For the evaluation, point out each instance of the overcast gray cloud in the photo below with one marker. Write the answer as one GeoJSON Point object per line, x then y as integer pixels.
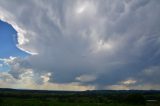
{"type": "Point", "coordinates": [100, 43]}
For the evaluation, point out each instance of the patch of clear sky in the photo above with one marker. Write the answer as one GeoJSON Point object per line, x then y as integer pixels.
{"type": "Point", "coordinates": [8, 42]}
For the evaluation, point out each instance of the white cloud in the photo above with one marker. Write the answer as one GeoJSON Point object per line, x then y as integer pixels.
{"type": "Point", "coordinates": [85, 7]}
{"type": "Point", "coordinates": [86, 78]}
{"type": "Point", "coordinates": [117, 87]}
{"type": "Point", "coordinates": [8, 60]}
{"type": "Point", "coordinates": [136, 87]}
{"type": "Point", "coordinates": [129, 81]}
{"type": "Point", "coordinates": [46, 77]}
{"type": "Point", "coordinates": [27, 81]}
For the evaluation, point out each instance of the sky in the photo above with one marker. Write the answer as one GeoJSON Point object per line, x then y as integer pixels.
{"type": "Point", "coordinates": [80, 44]}
{"type": "Point", "coordinates": [8, 42]}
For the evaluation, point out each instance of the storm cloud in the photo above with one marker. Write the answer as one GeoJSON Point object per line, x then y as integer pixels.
{"type": "Point", "coordinates": [107, 44]}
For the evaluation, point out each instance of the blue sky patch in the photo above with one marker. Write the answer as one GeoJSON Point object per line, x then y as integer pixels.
{"type": "Point", "coordinates": [8, 41]}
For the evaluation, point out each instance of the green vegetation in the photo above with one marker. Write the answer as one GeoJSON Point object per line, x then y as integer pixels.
{"type": "Point", "coordinates": [87, 98]}
{"type": "Point", "coordinates": [37, 102]}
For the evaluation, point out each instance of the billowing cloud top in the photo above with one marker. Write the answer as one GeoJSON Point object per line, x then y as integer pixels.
{"type": "Point", "coordinates": [85, 44]}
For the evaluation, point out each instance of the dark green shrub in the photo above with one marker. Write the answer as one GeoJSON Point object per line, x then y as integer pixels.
{"type": "Point", "coordinates": [1, 101]}
{"type": "Point", "coordinates": [136, 99]}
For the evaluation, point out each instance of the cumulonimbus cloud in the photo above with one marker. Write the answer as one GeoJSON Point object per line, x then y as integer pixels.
{"type": "Point", "coordinates": [109, 39]}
